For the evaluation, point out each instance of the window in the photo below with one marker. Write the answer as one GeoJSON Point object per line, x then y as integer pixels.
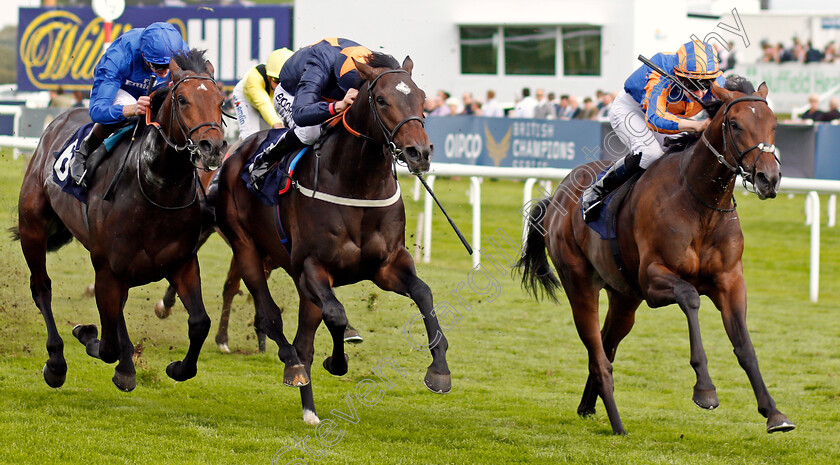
{"type": "Point", "coordinates": [478, 50]}
{"type": "Point", "coordinates": [581, 50]}
{"type": "Point", "coordinates": [531, 50]}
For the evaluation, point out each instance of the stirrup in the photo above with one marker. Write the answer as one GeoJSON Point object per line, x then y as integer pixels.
{"type": "Point", "coordinates": [590, 214]}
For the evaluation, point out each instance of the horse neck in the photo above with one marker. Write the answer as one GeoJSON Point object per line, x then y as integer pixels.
{"type": "Point", "coordinates": [707, 177]}
{"type": "Point", "coordinates": [162, 168]}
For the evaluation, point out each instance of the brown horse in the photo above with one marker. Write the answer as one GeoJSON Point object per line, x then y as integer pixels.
{"type": "Point", "coordinates": [148, 231]}
{"type": "Point", "coordinates": [331, 244]}
{"type": "Point", "coordinates": [678, 236]}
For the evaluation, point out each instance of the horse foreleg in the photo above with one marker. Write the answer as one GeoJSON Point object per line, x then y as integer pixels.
{"type": "Point", "coordinates": [187, 283]}
{"type": "Point", "coordinates": [666, 287]}
{"type": "Point", "coordinates": [230, 290]}
{"type": "Point", "coordinates": [316, 286]}
{"type": "Point", "coordinates": [111, 295]}
{"type": "Point", "coordinates": [34, 245]}
{"type": "Point", "coordinates": [250, 265]}
{"type": "Point", "coordinates": [125, 375]}
{"type": "Point", "coordinates": [309, 317]}
{"type": "Point", "coordinates": [731, 300]}
{"type": "Point", "coordinates": [401, 277]}
{"type": "Point", "coordinates": [619, 321]}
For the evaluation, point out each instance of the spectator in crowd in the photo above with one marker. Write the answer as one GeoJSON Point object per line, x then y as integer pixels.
{"type": "Point", "coordinates": [731, 59]}
{"type": "Point", "coordinates": [830, 52]}
{"type": "Point", "coordinates": [770, 54]}
{"type": "Point", "coordinates": [785, 55]}
{"type": "Point", "coordinates": [812, 55]}
{"type": "Point", "coordinates": [589, 110]}
{"type": "Point", "coordinates": [59, 99]}
{"type": "Point", "coordinates": [833, 112]}
{"type": "Point", "coordinates": [78, 99]}
{"type": "Point", "coordinates": [553, 102]}
{"type": "Point", "coordinates": [467, 98]}
{"type": "Point", "coordinates": [525, 107]}
{"type": "Point", "coordinates": [544, 109]}
{"type": "Point", "coordinates": [606, 104]}
{"type": "Point", "coordinates": [599, 95]}
{"type": "Point", "coordinates": [562, 106]}
{"type": "Point", "coordinates": [492, 107]}
{"type": "Point", "coordinates": [441, 109]}
{"type": "Point", "coordinates": [429, 106]}
{"type": "Point", "coordinates": [453, 105]}
{"type": "Point", "coordinates": [572, 110]}
{"type": "Point", "coordinates": [813, 113]}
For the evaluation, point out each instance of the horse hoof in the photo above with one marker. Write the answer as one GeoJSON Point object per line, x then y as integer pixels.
{"type": "Point", "coordinates": [295, 376]}
{"type": "Point", "coordinates": [339, 371]}
{"type": "Point", "coordinates": [310, 418]}
{"type": "Point", "coordinates": [224, 348]}
{"type": "Point", "coordinates": [586, 411]}
{"type": "Point", "coordinates": [779, 424]}
{"type": "Point", "coordinates": [706, 398]}
{"type": "Point", "coordinates": [439, 383]}
{"type": "Point", "coordinates": [90, 291]}
{"type": "Point", "coordinates": [176, 371]}
{"type": "Point", "coordinates": [161, 310]}
{"type": "Point", "coordinates": [85, 332]}
{"type": "Point", "coordinates": [352, 336]}
{"type": "Point", "coordinates": [54, 380]}
{"type": "Point", "coordinates": [124, 382]}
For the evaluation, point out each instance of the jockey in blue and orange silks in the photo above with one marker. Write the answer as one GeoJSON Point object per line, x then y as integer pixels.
{"type": "Point", "coordinates": [652, 106]}
{"type": "Point", "coordinates": [121, 78]}
{"type": "Point", "coordinates": [317, 82]}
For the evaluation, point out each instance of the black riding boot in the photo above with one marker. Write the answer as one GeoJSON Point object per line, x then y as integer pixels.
{"type": "Point", "coordinates": [593, 197]}
{"type": "Point", "coordinates": [258, 172]}
{"type": "Point", "coordinates": [79, 169]}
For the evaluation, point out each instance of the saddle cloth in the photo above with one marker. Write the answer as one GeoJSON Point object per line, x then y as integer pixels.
{"type": "Point", "coordinates": [279, 180]}
{"type": "Point", "coordinates": [605, 224]}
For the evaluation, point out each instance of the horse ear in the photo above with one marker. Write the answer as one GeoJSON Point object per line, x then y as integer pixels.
{"type": "Point", "coordinates": [209, 69]}
{"type": "Point", "coordinates": [762, 90]}
{"type": "Point", "coordinates": [722, 93]}
{"type": "Point", "coordinates": [175, 70]}
{"type": "Point", "coordinates": [408, 65]}
{"type": "Point", "coordinates": [367, 72]}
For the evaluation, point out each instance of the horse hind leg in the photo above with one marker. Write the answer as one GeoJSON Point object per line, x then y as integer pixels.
{"type": "Point", "coordinates": [163, 308]}
{"type": "Point", "coordinates": [619, 321]}
{"type": "Point", "coordinates": [231, 289]}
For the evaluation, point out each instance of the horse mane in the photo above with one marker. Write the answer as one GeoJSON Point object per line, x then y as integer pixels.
{"type": "Point", "coordinates": [686, 140]}
{"type": "Point", "coordinates": [382, 60]}
{"type": "Point", "coordinates": [193, 60]}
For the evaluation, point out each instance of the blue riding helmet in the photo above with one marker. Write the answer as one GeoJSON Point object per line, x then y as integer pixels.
{"type": "Point", "coordinates": [159, 42]}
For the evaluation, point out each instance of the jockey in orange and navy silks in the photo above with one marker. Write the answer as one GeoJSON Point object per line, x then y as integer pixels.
{"type": "Point", "coordinates": [652, 106]}
{"type": "Point", "coordinates": [316, 83]}
{"type": "Point", "coordinates": [121, 79]}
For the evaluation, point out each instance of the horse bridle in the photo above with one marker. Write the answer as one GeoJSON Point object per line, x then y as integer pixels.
{"type": "Point", "coordinates": [186, 131]}
{"type": "Point", "coordinates": [389, 135]}
{"type": "Point", "coordinates": [746, 176]}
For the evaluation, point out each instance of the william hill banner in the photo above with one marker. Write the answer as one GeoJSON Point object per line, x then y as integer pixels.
{"type": "Point", "coordinates": [60, 47]}
{"type": "Point", "coordinates": [514, 142]}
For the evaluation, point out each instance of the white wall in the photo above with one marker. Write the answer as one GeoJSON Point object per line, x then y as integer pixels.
{"type": "Point", "coordinates": [428, 31]}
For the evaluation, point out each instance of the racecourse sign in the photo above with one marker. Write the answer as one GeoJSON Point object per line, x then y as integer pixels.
{"type": "Point", "coordinates": [61, 47]}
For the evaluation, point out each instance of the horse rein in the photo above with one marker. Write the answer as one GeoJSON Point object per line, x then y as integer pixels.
{"type": "Point", "coordinates": [186, 131]}
{"type": "Point", "coordinates": [746, 176]}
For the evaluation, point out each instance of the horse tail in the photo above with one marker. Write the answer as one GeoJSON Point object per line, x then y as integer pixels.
{"type": "Point", "coordinates": [537, 276]}
{"type": "Point", "coordinates": [57, 239]}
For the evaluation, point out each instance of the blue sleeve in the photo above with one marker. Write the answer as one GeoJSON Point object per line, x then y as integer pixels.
{"type": "Point", "coordinates": [309, 109]}
{"type": "Point", "coordinates": [107, 81]}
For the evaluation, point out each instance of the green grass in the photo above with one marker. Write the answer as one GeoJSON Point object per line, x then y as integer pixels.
{"type": "Point", "coordinates": [518, 367]}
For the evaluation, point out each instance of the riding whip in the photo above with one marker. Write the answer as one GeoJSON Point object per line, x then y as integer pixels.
{"type": "Point", "coordinates": [452, 223]}
{"type": "Point", "coordinates": [673, 79]}
{"type": "Point", "coordinates": [118, 175]}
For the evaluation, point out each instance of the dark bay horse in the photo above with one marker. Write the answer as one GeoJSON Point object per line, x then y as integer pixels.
{"type": "Point", "coordinates": [331, 244]}
{"type": "Point", "coordinates": [149, 229]}
{"type": "Point", "coordinates": [679, 237]}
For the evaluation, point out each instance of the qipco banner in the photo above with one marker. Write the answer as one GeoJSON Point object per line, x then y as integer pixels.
{"type": "Point", "coordinates": [513, 142]}
{"type": "Point", "coordinates": [60, 47]}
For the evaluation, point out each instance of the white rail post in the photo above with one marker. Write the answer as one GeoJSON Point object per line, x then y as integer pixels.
{"type": "Point", "coordinates": [808, 210]}
{"type": "Point", "coordinates": [427, 221]}
{"type": "Point", "coordinates": [815, 245]}
{"type": "Point", "coordinates": [832, 210]}
{"type": "Point", "coordinates": [526, 197]}
{"type": "Point", "coordinates": [418, 188]}
{"type": "Point", "coordinates": [475, 199]}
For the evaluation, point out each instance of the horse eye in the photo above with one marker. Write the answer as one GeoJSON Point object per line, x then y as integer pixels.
{"type": "Point", "coordinates": [380, 100]}
{"type": "Point", "coordinates": [182, 100]}
{"type": "Point", "coordinates": [734, 125]}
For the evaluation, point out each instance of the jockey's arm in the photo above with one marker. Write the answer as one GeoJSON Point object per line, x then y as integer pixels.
{"type": "Point", "coordinates": [106, 84]}
{"type": "Point", "coordinates": [254, 90]}
{"type": "Point", "coordinates": [655, 104]}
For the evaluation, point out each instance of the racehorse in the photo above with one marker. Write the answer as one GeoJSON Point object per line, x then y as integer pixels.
{"type": "Point", "coordinates": [678, 236]}
{"type": "Point", "coordinates": [149, 229]}
{"type": "Point", "coordinates": [346, 233]}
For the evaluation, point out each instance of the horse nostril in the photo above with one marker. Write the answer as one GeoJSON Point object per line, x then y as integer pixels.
{"type": "Point", "coordinates": [762, 178]}
{"type": "Point", "coordinates": [205, 146]}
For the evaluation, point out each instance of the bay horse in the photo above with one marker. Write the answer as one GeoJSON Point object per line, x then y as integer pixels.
{"type": "Point", "coordinates": [330, 243]}
{"type": "Point", "coordinates": [149, 229]}
{"type": "Point", "coordinates": [679, 237]}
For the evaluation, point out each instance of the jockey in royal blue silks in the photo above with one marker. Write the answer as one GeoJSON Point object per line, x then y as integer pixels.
{"type": "Point", "coordinates": [650, 107]}
{"type": "Point", "coordinates": [316, 83]}
{"type": "Point", "coordinates": [121, 79]}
